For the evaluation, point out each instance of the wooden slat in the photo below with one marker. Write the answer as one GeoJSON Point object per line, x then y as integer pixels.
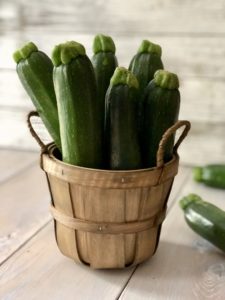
{"type": "Point", "coordinates": [185, 266]}
{"type": "Point", "coordinates": [13, 162]}
{"type": "Point", "coordinates": [39, 259]}
{"type": "Point", "coordinates": [24, 209]}
{"type": "Point", "coordinates": [116, 16]}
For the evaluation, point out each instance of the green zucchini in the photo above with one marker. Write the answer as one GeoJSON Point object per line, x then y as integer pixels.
{"type": "Point", "coordinates": [211, 175]}
{"type": "Point", "coordinates": [146, 62]}
{"type": "Point", "coordinates": [161, 108]}
{"type": "Point", "coordinates": [121, 131]}
{"type": "Point", "coordinates": [205, 219]}
{"type": "Point", "coordinates": [79, 110]}
{"type": "Point", "coordinates": [104, 62]}
{"type": "Point", "coordinates": [35, 70]}
{"type": "Point", "coordinates": [144, 65]}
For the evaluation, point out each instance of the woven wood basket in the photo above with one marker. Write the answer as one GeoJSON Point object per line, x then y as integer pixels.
{"type": "Point", "coordinates": [109, 219]}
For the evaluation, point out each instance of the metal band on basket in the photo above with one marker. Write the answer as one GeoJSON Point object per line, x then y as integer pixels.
{"type": "Point", "coordinates": [108, 228]}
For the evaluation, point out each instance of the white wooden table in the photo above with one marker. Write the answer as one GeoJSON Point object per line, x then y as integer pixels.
{"type": "Point", "coordinates": [185, 266]}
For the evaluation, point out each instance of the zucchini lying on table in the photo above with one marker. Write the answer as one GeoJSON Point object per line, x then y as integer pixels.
{"type": "Point", "coordinates": [121, 131]}
{"type": "Point", "coordinates": [205, 219]}
{"type": "Point", "coordinates": [78, 108]}
{"type": "Point", "coordinates": [211, 175]}
{"type": "Point", "coordinates": [161, 108]}
{"type": "Point", "coordinates": [35, 70]}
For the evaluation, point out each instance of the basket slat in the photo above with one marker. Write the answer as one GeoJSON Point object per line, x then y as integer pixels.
{"type": "Point", "coordinates": [65, 237]}
{"type": "Point", "coordinates": [111, 205]}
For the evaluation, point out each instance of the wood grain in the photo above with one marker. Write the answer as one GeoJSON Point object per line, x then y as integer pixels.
{"type": "Point", "coordinates": [97, 197]}
{"type": "Point", "coordinates": [24, 209]}
{"type": "Point", "coordinates": [185, 266]}
{"type": "Point", "coordinates": [136, 17]}
{"type": "Point", "coordinates": [14, 162]}
{"type": "Point", "coordinates": [39, 271]}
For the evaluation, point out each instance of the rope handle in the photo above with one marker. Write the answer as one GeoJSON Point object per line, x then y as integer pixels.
{"type": "Point", "coordinates": [32, 130]}
{"type": "Point", "coordinates": [167, 135]}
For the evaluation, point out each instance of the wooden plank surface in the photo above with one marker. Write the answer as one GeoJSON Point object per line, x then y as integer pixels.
{"type": "Point", "coordinates": [185, 266]}
{"type": "Point", "coordinates": [40, 271]}
{"type": "Point", "coordinates": [40, 259]}
{"type": "Point", "coordinates": [13, 162]}
{"type": "Point", "coordinates": [24, 209]}
{"type": "Point", "coordinates": [195, 17]}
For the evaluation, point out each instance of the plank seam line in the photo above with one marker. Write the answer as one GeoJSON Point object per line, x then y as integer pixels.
{"type": "Point", "coordinates": [26, 241]}
{"type": "Point", "coordinates": [23, 169]}
{"type": "Point", "coordinates": [126, 284]}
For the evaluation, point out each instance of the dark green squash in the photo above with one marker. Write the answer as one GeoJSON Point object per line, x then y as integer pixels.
{"type": "Point", "coordinates": [161, 109]}
{"type": "Point", "coordinates": [104, 62]}
{"type": "Point", "coordinates": [79, 110]}
{"type": "Point", "coordinates": [211, 175]}
{"type": "Point", "coordinates": [121, 131]}
{"type": "Point", "coordinates": [35, 69]}
{"type": "Point", "coordinates": [205, 219]}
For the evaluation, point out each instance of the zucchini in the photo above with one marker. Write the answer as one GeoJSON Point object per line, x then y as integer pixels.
{"type": "Point", "coordinates": [79, 111]}
{"type": "Point", "coordinates": [161, 108]}
{"type": "Point", "coordinates": [146, 62]}
{"type": "Point", "coordinates": [211, 175]}
{"type": "Point", "coordinates": [35, 69]}
{"type": "Point", "coordinates": [205, 219]}
{"type": "Point", "coordinates": [104, 62]}
{"type": "Point", "coordinates": [121, 131]}
{"type": "Point", "coordinates": [144, 65]}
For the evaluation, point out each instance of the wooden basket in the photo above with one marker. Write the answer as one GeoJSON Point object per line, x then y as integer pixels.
{"type": "Point", "coordinates": [109, 219]}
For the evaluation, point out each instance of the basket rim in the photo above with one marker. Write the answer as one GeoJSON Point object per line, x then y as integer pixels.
{"type": "Point", "coordinates": [52, 147]}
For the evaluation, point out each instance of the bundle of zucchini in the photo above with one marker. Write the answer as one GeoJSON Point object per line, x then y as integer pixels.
{"type": "Point", "coordinates": [98, 114]}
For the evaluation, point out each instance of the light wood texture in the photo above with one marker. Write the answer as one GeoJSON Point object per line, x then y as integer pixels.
{"type": "Point", "coordinates": [14, 162]}
{"type": "Point", "coordinates": [24, 209]}
{"type": "Point", "coordinates": [185, 266]}
{"type": "Point", "coordinates": [39, 271]}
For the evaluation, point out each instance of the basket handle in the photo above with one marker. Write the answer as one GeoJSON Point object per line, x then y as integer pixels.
{"type": "Point", "coordinates": [32, 131]}
{"type": "Point", "coordinates": [167, 135]}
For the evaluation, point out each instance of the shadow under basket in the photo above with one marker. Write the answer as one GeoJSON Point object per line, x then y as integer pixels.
{"type": "Point", "coordinates": [109, 219]}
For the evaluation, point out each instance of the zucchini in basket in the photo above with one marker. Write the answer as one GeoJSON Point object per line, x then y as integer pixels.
{"type": "Point", "coordinates": [35, 70]}
{"type": "Point", "coordinates": [78, 108]}
{"type": "Point", "coordinates": [146, 62]}
{"type": "Point", "coordinates": [161, 109]}
{"type": "Point", "coordinates": [121, 130]}
{"type": "Point", "coordinates": [104, 62]}
{"type": "Point", "coordinates": [144, 65]}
